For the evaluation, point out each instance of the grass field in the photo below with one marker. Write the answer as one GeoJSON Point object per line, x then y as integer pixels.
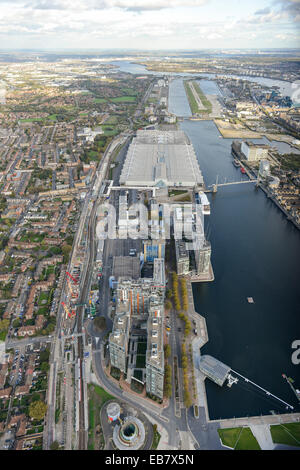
{"type": "Point", "coordinates": [238, 438]}
{"type": "Point", "coordinates": [129, 91]}
{"type": "Point", "coordinates": [43, 298]}
{"type": "Point", "coordinates": [100, 100]}
{"type": "Point", "coordinates": [31, 119]}
{"type": "Point", "coordinates": [111, 120]}
{"type": "Point", "coordinates": [156, 437]}
{"type": "Point", "coordinates": [97, 397]}
{"type": "Point", "coordinates": [288, 434]}
{"type": "Point", "coordinates": [109, 130]}
{"type": "Point", "coordinates": [121, 99]}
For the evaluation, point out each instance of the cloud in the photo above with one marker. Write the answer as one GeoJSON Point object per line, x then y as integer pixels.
{"type": "Point", "coordinates": [263, 11]}
{"type": "Point", "coordinates": [130, 5]}
{"type": "Point", "coordinates": [291, 8]}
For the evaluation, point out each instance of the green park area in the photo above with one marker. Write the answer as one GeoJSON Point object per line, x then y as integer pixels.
{"type": "Point", "coordinates": [100, 100]}
{"type": "Point", "coordinates": [109, 130]}
{"type": "Point", "coordinates": [123, 99]}
{"type": "Point", "coordinates": [4, 324]}
{"type": "Point", "coordinates": [129, 91]}
{"type": "Point", "coordinates": [97, 398]}
{"type": "Point", "coordinates": [288, 434]}
{"type": "Point", "coordinates": [238, 438]}
{"type": "Point", "coordinates": [32, 237]}
{"type": "Point", "coordinates": [45, 298]}
{"type": "Point", "coordinates": [111, 120]}
{"type": "Point", "coordinates": [31, 119]}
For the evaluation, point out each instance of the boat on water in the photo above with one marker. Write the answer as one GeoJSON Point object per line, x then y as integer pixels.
{"type": "Point", "coordinates": [201, 199]}
{"type": "Point", "coordinates": [236, 163]}
{"type": "Point", "coordinates": [243, 170]}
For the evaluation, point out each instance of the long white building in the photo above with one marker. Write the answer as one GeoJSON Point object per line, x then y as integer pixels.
{"type": "Point", "coordinates": [161, 158]}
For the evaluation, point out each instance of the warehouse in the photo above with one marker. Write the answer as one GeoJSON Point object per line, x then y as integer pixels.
{"type": "Point", "coordinates": [161, 158]}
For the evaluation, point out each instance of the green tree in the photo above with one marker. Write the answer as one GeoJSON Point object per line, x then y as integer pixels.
{"type": "Point", "coordinates": [66, 249]}
{"type": "Point", "coordinates": [37, 410]}
{"type": "Point", "coordinates": [167, 351]}
{"type": "Point", "coordinates": [54, 445]}
{"type": "Point", "coordinates": [45, 366]}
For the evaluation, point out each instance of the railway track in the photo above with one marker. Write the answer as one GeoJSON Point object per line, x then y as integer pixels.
{"type": "Point", "coordinates": [82, 433]}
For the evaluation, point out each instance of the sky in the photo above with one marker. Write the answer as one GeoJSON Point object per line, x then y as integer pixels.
{"type": "Point", "coordinates": [149, 24]}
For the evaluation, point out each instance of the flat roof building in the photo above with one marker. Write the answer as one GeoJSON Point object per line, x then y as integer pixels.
{"type": "Point", "coordinates": [182, 257]}
{"type": "Point", "coordinates": [118, 341]}
{"type": "Point", "coordinates": [155, 353]}
{"type": "Point", "coordinates": [126, 266]}
{"type": "Point", "coordinates": [159, 272]}
{"type": "Point", "coordinates": [253, 151]}
{"type": "Point", "coordinates": [214, 369]}
{"type": "Point", "coordinates": [161, 158]}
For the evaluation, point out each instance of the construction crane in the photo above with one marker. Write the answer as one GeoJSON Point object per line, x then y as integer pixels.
{"type": "Point", "coordinates": [70, 315]}
{"type": "Point", "coordinates": [71, 277]}
{"type": "Point", "coordinates": [74, 294]}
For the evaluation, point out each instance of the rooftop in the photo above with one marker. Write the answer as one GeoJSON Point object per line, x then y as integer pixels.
{"type": "Point", "coordinates": [214, 369]}
{"type": "Point", "coordinates": [128, 266]}
{"type": "Point", "coordinates": [161, 158]}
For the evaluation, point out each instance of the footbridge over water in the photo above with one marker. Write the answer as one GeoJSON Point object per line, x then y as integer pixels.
{"type": "Point", "coordinates": [214, 187]}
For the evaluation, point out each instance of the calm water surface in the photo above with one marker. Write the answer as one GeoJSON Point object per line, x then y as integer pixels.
{"type": "Point", "coordinates": [255, 254]}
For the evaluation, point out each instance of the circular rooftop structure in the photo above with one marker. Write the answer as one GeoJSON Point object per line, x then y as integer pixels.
{"type": "Point", "coordinates": [131, 434]}
{"type": "Point", "coordinates": [113, 411]}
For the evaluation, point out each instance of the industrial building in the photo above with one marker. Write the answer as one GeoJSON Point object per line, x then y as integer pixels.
{"type": "Point", "coordinates": [161, 158]}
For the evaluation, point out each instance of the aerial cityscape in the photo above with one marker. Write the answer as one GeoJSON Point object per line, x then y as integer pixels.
{"type": "Point", "coordinates": [149, 227]}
